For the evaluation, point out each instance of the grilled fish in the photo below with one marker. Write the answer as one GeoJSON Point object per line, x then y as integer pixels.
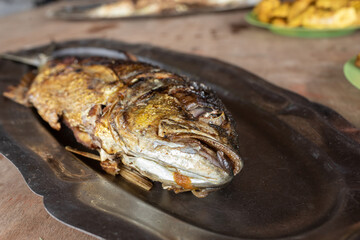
{"type": "Point", "coordinates": [159, 124]}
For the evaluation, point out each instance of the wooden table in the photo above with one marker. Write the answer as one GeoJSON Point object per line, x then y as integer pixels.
{"type": "Point", "coordinates": [310, 67]}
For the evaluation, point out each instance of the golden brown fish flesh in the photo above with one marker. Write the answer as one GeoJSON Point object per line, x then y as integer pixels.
{"type": "Point", "coordinates": [136, 115]}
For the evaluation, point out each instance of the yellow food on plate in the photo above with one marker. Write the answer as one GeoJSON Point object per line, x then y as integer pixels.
{"type": "Point", "coordinates": [279, 22]}
{"type": "Point", "coordinates": [265, 8]}
{"type": "Point", "coordinates": [282, 11]}
{"type": "Point", "coordinates": [297, 8]}
{"type": "Point", "coordinates": [357, 63]}
{"type": "Point", "coordinates": [356, 5]}
{"type": "Point", "coordinates": [320, 18]}
{"type": "Point", "coordinates": [332, 4]}
{"type": "Point", "coordinates": [316, 14]}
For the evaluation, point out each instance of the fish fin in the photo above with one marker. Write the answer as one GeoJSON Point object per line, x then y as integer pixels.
{"type": "Point", "coordinates": [130, 56]}
{"type": "Point", "coordinates": [19, 93]}
{"type": "Point", "coordinates": [81, 136]}
{"type": "Point", "coordinates": [35, 61]}
{"type": "Point", "coordinates": [201, 193]}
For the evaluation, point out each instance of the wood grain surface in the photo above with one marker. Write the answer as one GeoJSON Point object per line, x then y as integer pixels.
{"type": "Point", "coordinates": [310, 67]}
{"type": "Point", "coordinates": [23, 215]}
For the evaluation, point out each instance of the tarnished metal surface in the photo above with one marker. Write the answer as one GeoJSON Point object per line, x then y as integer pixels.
{"type": "Point", "coordinates": [299, 181]}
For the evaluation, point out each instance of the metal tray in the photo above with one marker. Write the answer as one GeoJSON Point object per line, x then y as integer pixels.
{"type": "Point", "coordinates": [78, 12]}
{"type": "Point", "coordinates": [300, 180]}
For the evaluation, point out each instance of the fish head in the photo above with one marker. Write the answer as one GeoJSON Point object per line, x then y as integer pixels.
{"type": "Point", "coordinates": [184, 147]}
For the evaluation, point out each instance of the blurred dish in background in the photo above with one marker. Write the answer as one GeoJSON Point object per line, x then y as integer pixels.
{"type": "Point", "coordinates": [352, 71]}
{"type": "Point", "coordinates": [307, 18]}
{"type": "Point", "coordinates": [148, 8]}
{"type": "Point", "coordinates": [8, 7]}
{"type": "Point", "coordinates": [317, 14]}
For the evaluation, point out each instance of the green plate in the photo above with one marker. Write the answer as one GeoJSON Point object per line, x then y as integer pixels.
{"type": "Point", "coordinates": [300, 31]}
{"type": "Point", "coordinates": [352, 72]}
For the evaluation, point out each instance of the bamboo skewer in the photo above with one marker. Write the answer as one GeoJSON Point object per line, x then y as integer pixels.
{"type": "Point", "coordinates": [84, 154]}
{"type": "Point", "coordinates": [135, 178]}
{"type": "Point", "coordinates": [125, 172]}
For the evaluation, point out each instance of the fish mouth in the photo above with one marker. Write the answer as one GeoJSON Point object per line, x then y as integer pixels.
{"type": "Point", "coordinates": [225, 157]}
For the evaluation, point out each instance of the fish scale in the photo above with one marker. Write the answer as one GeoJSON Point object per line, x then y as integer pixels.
{"type": "Point", "coordinates": [159, 124]}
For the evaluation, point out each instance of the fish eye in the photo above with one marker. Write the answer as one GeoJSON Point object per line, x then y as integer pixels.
{"type": "Point", "coordinates": [215, 117]}
{"type": "Point", "coordinates": [216, 114]}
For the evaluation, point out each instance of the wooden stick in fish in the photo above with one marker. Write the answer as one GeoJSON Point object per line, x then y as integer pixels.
{"type": "Point", "coordinates": [126, 173]}
{"type": "Point", "coordinates": [81, 153]}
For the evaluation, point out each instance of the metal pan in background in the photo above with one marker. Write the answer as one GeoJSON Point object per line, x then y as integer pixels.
{"type": "Point", "coordinates": [80, 12]}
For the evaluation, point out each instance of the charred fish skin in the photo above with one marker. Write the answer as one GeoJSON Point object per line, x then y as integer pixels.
{"type": "Point", "coordinates": [160, 124]}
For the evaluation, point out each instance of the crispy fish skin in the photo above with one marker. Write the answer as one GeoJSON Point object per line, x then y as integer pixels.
{"type": "Point", "coordinates": [162, 125]}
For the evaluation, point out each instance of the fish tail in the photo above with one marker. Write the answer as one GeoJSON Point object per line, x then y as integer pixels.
{"type": "Point", "coordinates": [19, 93]}
{"type": "Point", "coordinates": [130, 56]}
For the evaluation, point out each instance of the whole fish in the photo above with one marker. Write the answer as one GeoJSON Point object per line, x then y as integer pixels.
{"type": "Point", "coordinates": [159, 124]}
